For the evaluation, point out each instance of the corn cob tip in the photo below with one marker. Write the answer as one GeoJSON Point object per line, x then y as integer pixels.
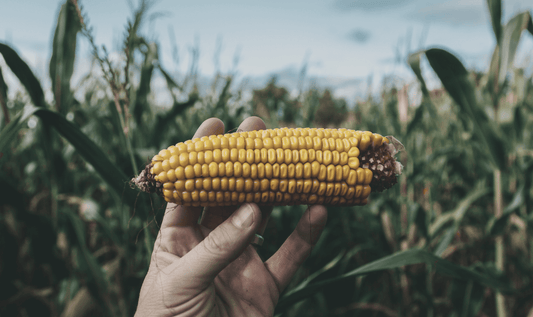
{"type": "Point", "coordinates": [146, 182]}
{"type": "Point", "coordinates": [380, 160]}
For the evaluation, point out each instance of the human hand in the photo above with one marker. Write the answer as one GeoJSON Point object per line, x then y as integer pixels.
{"type": "Point", "coordinates": [210, 268]}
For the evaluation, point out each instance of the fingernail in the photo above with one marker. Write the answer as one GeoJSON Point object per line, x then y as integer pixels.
{"type": "Point", "coordinates": [244, 216]}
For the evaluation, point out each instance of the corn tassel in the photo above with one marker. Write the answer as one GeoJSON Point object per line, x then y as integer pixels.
{"type": "Point", "coordinates": [274, 167]}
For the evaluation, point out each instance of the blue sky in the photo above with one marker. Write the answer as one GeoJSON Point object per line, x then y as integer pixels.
{"type": "Point", "coordinates": [338, 38]}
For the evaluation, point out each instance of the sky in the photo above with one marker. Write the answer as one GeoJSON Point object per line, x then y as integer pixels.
{"type": "Point", "coordinates": [336, 38]}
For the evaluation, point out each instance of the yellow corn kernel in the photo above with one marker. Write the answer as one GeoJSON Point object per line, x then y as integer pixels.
{"type": "Point", "coordinates": [237, 169]}
{"type": "Point", "coordinates": [171, 176]}
{"type": "Point", "coordinates": [315, 185]}
{"type": "Point", "coordinates": [339, 145]}
{"type": "Point", "coordinates": [157, 158]}
{"type": "Point", "coordinates": [283, 184]}
{"type": "Point", "coordinates": [165, 165]}
{"type": "Point", "coordinates": [246, 170]}
{"type": "Point", "coordinates": [256, 185]}
{"type": "Point", "coordinates": [322, 189]}
{"type": "Point", "coordinates": [319, 157]}
{"type": "Point", "coordinates": [189, 185]}
{"type": "Point", "coordinates": [368, 176]}
{"type": "Point", "coordinates": [327, 158]}
{"type": "Point", "coordinates": [206, 184]}
{"type": "Point", "coordinates": [352, 178]}
{"type": "Point", "coordinates": [213, 169]}
{"type": "Point", "coordinates": [291, 171]}
{"type": "Point", "coordinates": [287, 154]}
{"type": "Point", "coordinates": [221, 169]}
{"type": "Point", "coordinates": [253, 171]}
{"type": "Point", "coordinates": [263, 156]}
{"type": "Point", "coordinates": [366, 141]}
{"type": "Point", "coordinates": [323, 173]}
{"type": "Point", "coordinates": [338, 173]}
{"type": "Point", "coordinates": [208, 157]}
{"type": "Point", "coordinates": [165, 154]}
{"type": "Point", "coordinates": [162, 177]}
{"type": "Point", "coordinates": [265, 185]}
{"type": "Point", "coordinates": [275, 170]}
{"type": "Point", "coordinates": [330, 173]}
{"type": "Point", "coordinates": [157, 168]}
{"type": "Point", "coordinates": [353, 162]}
{"type": "Point", "coordinates": [315, 169]}
{"type": "Point", "coordinates": [274, 184]}
{"type": "Point", "coordinates": [268, 171]}
{"type": "Point", "coordinates": [283, 171]}
{"type": "Point", "coordinates": [176, 196]}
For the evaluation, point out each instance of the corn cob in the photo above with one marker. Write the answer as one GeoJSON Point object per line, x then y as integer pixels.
{"type": "Point", "coordinates": [274, 167]}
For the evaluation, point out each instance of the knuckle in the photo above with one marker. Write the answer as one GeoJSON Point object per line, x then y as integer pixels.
{"type": "Point", "coordinates": [218, 242]}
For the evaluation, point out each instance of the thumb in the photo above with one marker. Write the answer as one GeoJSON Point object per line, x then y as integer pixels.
{"type": "Point", "coordinates": [223, 245]}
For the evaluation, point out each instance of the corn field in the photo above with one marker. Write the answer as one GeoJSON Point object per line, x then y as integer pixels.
{"type": "Point", "coordinates": [453, 238]}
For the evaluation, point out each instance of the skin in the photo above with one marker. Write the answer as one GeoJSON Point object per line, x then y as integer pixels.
{"type": "Point", "coordinates": [209, 267]}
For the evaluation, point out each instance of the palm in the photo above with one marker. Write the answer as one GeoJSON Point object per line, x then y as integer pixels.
{"type": "Point", "coordinates": [244, 288]}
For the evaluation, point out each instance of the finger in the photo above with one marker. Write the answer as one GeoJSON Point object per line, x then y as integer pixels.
{"type": "Point", "coordinates": [290, 256]}
{"type": "Point", "coordinates": [214, 216]}
{"type": "Point", "coordinates": [252, 124]}
{"type": "Point", "coordinates": [181, 216]}
{"type": "Point", "coordinates": [222, 246]}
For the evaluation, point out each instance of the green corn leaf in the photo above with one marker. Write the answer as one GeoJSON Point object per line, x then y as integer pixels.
{"type": "Point", "coordinates": [95, 271]}
{"type": "Point", "coordinates": [456, 217]}
{"type": "Point", "coordinates": [416, 121]}
{"type": "Point", "coordinates": [3, 99]}
{"type": "Point", "coordinates": [447, 238]}
{"type": "Point", "coordinates": [96, 277]}
{"type": "Point", "coordinates": [10, 195]}
{"type": "Point", "coordinates": [63, 55]}
{"type": "Point", "coordinates": [171, 83]}
{"type": "Point", "coordinates": [418, 216]}
{"type": "Point", "coordinates": [141, 99]}
{"type": "Point", "coordinates": [414, 62]}
{"type": "Point", "coordinates": [316, 274]}
{"type": "Point", "coordinates": [24, 74]}
{"type": "Point", "coordinates": [115, 178]}
{"type": "Point", "coordinates": [90, 152]}
{"type": "Point", "coordinates": [510, 40]}
{"type": "Point", "coordinates": [467, 297]}
{"type": "Point", "coordinates": [496, 226]}
{"type": "Point", "coordinates": [494, 68]}
{"type": "Point", "coordinates": [495, 10]}
{"type": "Point", "coordinates": [519, 123]}
{"type": "Point", "coordinates": [225, 94]}
{"type": "Point", "coordinates": [397, 260]}
{"type": "Point", "coordinates": [454, 78]}
{"type": "Point", "coordinates": [10, 131]}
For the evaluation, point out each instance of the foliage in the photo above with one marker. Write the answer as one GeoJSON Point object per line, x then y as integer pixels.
{"type": "Point", "coordinates": [330, 112]}
{"type": "Point", "coordinates": [76, 240]}
{"type": "Point", "coordinates": [275, 104]}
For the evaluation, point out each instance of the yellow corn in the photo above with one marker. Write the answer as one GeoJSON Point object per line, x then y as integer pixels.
{"type": "Point", "coordinates": [273, 167]}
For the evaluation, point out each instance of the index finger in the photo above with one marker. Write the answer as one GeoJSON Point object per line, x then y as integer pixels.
{"type": "Point", "coordinates": [182, 216]}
